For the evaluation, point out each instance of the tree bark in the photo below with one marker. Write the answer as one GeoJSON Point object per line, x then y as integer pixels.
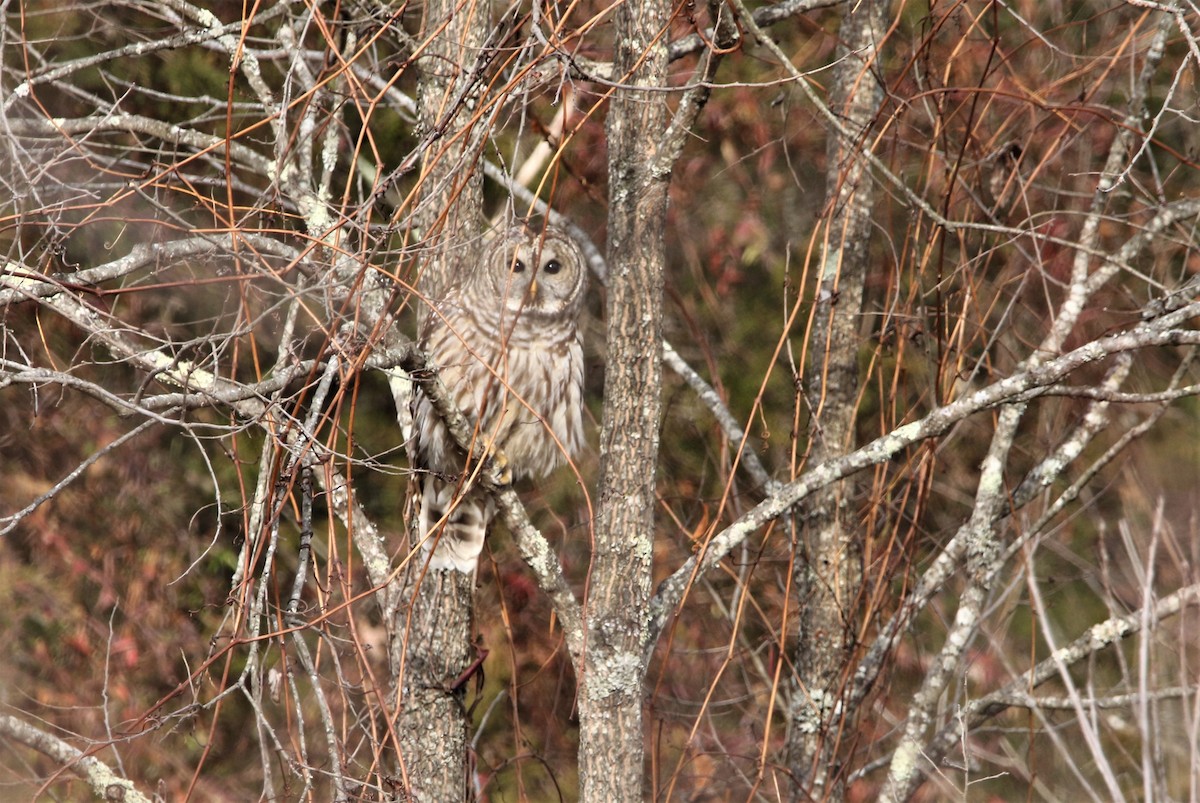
{"type": "Point", "coordinates": [828, 566]}
{"type": "Point", "coordinates": [612, 667]}
{"type": "Point", "coordinates": [451, 208]}
{"type": "Point", "coordinates": [430, 649]}
{"type": "Point", "coordinates": [430, 656]}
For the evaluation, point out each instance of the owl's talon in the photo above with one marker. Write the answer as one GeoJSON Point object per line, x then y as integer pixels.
{"type": "Point", "coordinates": [501, 471]}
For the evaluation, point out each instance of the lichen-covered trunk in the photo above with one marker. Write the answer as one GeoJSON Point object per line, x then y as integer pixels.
{"type": "Point", "coordinates": [431, 650]}
{"type": "Point", "coordinates": [430, 646]}
{"type": "Point", "coordinates": [828, 565]}
{"type": "Point", "coordinates": [612, 670]}
{"type": "Point", "coordinates": [452, 70]}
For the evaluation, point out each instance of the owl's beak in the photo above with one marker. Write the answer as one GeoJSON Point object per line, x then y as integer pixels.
{"type": "Point", "coordinates": [533, 290]}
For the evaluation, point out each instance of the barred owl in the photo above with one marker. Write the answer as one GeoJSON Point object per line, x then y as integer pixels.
{"type": "Point", "coordinates": [506, 344]}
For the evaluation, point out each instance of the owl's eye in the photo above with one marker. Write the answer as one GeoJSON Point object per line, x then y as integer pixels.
{"type": "Point", "coordinates": [518, 266]}
{"type": "Point", "coordinates": [552, 267]}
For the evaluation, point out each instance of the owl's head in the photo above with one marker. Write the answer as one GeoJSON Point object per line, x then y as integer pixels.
{"type": "Point", "coordinates": [538, 271]}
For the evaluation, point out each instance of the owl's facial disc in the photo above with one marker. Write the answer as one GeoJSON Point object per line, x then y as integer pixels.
{"type": "Point", "coordinates": [538, 279]}
{"type": "Point", "coordinates": [538, 274]}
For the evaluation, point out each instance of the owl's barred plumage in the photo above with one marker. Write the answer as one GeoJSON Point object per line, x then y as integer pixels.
{"type": "Point", "coordinates": [506, 344]}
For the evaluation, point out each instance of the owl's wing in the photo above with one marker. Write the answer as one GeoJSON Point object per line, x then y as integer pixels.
{"type": "Point", "coordinates": [453, 516]}
{"type": "Point", "coordinates": [474, 370]}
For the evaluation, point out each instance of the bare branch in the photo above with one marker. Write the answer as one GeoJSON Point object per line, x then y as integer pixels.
{"type": "Point", "coordinates": [105, 784]}
{"type": "Point", "coordinates": [935, 423]}
{"type": "Point", "coordinates": [1096, 638]}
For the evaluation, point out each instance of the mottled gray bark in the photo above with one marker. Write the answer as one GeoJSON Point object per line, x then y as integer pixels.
{"type": "Point", "coordinates": [828, 563]}
{"type": "Point", "coordinates": [612, 668]}
{"type": "Point", "coordinates": [431, 650]}
{"type": "Point", "coordinates": [450, 213]}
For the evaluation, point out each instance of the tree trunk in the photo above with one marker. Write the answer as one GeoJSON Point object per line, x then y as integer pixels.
{"type": "Point", "coordinates": [612, 667]}
{"type": "Point", "coordinates": [450, 213]}
{"type": "Point", "coordinates": [431, 649]}
{"type": "Point", "coordinates": [430, 653]}
{"type": "Point", "coordinates": [829, 564]}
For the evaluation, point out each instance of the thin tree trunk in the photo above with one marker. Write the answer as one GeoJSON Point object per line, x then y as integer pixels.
{"type": "Point", "coordinates": [829, 564]}
{"type": "Point", "coordinates": [434, 652]}
{"type": "Point", "coordinates": [613, 671]}
{"type": "Point", "coordinates": [451, 69]}
{"type": "Point", "coordinates": [430, 649]}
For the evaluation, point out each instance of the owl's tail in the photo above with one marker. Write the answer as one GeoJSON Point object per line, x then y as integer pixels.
{"type": "Point", "coordinates": [453, 525]}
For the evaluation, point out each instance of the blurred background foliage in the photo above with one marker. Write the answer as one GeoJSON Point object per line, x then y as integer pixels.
{"type": "Point", "coordinates": [117, 590]}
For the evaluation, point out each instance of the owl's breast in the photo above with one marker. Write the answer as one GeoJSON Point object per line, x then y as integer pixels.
{"type": "Point", "coordinates": [523, 389]}
{"type": "Point", "coordinates": [542, 410]}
